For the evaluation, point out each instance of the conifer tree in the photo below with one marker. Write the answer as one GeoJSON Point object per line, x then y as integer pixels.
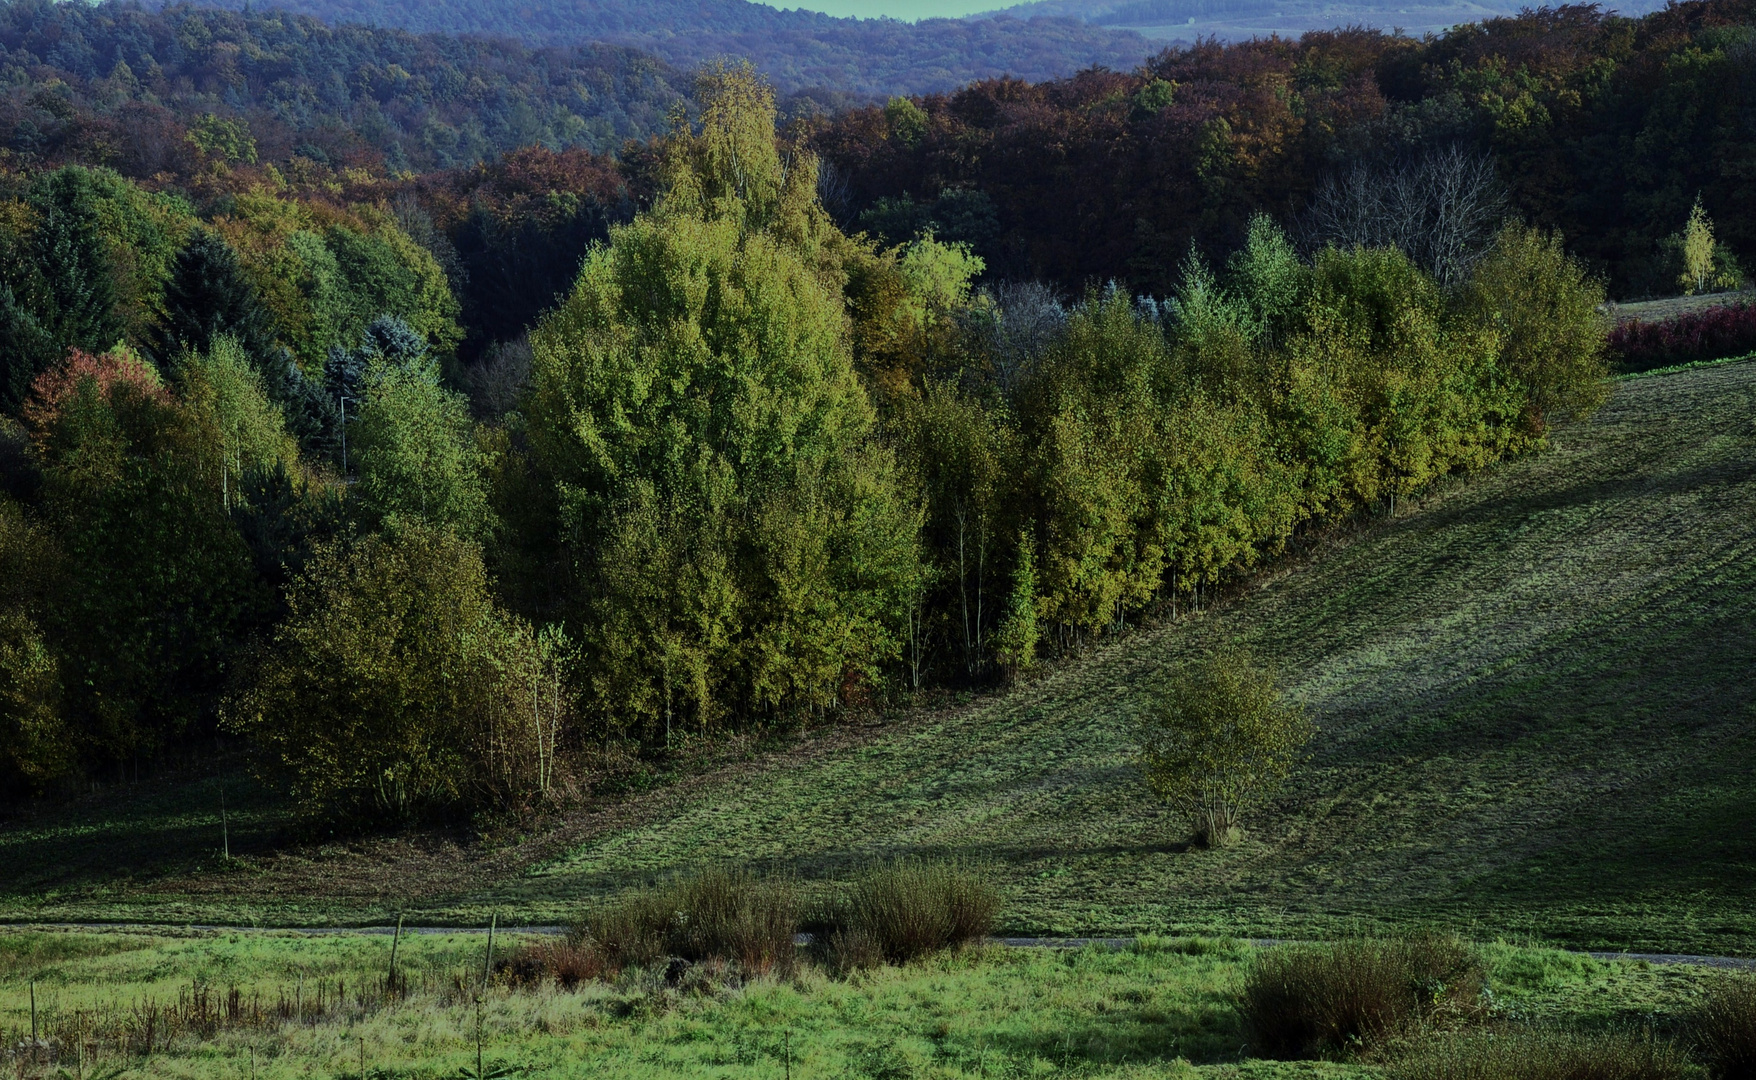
{"type": "Point", "coordinates": [73, 261]}
{"type": "Point", "coordinates": [209, 296]}
{"type": "Point", "coordinates": [26, 349]}
{"type": "Point", "coordinates": [59, 294]}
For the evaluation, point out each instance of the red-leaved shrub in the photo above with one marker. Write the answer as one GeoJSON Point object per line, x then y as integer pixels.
{"type": "Point", "coordinates": [1713, 334]}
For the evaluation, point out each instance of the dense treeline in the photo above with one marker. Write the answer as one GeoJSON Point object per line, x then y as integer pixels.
{"type": "Point", "coordinates": [750, 468]}
{"type": "Point", "coordinates": [512, 233]}
{"type": "Point", "coordinates": [176, 383]}
{"type": "Point", "coordinates": [1602, 127]}
{"type": "Point", "coordinates": [169, 91]}
{"type": "Point", "coordinates": [798, 50]}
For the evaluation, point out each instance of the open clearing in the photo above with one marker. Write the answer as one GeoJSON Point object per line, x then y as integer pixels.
{"type": "Point", "coordinates": [1534, 689]}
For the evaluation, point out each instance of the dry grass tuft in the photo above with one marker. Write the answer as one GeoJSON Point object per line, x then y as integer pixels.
{"type": "Point", "coordinates": [719, 916]}
{"type": "Point", "coordinates": [1724, 1028]}
{"type": "Point", "coordinates": [1305, 1001]}
{"type": "Point", "coordinates": [903, 910]}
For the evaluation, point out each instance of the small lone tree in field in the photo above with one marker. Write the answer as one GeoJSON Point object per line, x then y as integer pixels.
{"type": "Point", "coordinates": [1697, 249]}
{"type": "Point", "coordinates": [1707, 265]}
{"type": "Point", "coordinates": [1220, 740]}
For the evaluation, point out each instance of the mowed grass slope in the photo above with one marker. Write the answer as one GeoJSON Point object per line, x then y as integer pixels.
{"type": "Point", "coordinates": [1535, 694]}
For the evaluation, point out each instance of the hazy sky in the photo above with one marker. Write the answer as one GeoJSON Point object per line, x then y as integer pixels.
{"type": "Point", "coordinates": [896, 9]}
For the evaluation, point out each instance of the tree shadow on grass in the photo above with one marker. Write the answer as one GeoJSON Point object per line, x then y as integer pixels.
{"type": "Point", "coordinates": [171, 825]}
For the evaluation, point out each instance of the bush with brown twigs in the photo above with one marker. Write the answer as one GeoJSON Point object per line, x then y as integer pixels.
{"type": "Point", "coordinates": [569, 962]}
{"type": "Point", "coordinates": [893, 912]}
{"type": "Point", "coordinates": [1541, 1055]}
{"type": "Point", "coordinates": [1316, 1000]}
{"type": "Point", "coordinates": [1723, 1028]}
{"type": "Point", "coordinates": [718, 914]}
{"type": "Point", "coordinates": [903, 910]}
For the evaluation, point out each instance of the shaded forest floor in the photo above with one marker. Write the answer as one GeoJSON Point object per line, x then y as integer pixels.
{"type": "Point", "coordinates": [1534, 689]}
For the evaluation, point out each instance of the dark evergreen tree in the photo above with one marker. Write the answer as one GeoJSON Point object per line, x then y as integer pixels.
{"type": "Point", "coordinates": [79, 295]}
{"type": "Point", "coordinates": [311, 411]}
{"type": "Point", "coordinates": [390, 340]}
{"type": "Point", "coordinates": [57, 293]}
{"type": "Point", "coordinates": [26, 348]}
{"type": "Point", "coordinates": [209, 295]}
{"type": "Point", "coordinates": [518, 266]}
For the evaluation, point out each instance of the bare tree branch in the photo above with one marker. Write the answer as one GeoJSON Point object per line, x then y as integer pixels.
{"type": "Point", "coordinates": [1441, 210]}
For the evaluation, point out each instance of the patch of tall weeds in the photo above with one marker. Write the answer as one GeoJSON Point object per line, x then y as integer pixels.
{"type": "Point", "coordinates": [1322, 1000]}
{"type": "Point", "coordinates": [1541, 1055]}
{"type": "Point", "coordinates": [1723, 1028]}
{"type": "Point", "coordinates": [721, 915]}
{"type": "Point", "coordinates": [903, 910]}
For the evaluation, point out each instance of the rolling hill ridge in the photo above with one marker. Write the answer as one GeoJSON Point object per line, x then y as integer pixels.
{"type": "Point", "coordinates": [797, 50]}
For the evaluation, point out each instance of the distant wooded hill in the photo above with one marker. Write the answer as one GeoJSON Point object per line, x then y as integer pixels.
{"type": "Point", "coordinates": [118, 85]}
{"type": "Point", "coordinates": [1189, 21]}
{"type": "Point", "coordinates": [797, 50]}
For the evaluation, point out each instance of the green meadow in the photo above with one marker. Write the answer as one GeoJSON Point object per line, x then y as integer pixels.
{"type": "Point", "coordinates": [1163, 1008]}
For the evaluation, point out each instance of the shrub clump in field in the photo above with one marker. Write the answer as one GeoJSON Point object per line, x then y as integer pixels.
{"type": "Point", "coordinates": [723, 915]}
{"type": "Point", "coordinates": [907, 909]}
{"type": "Point", "coordinates": [1305, 1001]}
{"type": "Point", "coordinates": [1219, 740]}
{"type": "Point", "coordinates": [569, 962]}
{"type": "Point", "coordinates": [1724, 1028]}
{"type": "Point", "coordinates": [1542, 1055]}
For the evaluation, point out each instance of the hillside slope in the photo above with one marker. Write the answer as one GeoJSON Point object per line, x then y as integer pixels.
{"type": "Point", "coordinates": [1535, 695]}
{"type": "Point", "coordinates": [1535, 691]}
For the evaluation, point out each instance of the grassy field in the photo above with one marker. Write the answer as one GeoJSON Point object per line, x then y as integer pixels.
{"type": "Point", "coordinates": [311, 1006]}
{"type": "Point", "coordinates": [1534, 689]}
{"type": "Point", "coordinates": [1672, 306]}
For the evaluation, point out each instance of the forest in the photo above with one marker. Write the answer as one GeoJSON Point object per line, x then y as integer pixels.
{"type": "Point", "coordinates": [797, 50]}
{"type": "Point", "coordinates": [114, 84]}
{"type": "Point", "coordinates": [432, 486]}
{"type": "Point", "coordinates": [1603, 128]}
{"type": "Point", "coordinates": [523, 556]}
{"type": "Point", "coordinates": [274, 472]}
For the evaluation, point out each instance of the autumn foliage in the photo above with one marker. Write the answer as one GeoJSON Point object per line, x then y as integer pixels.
{"type": "Point", "coordinates": [105, 374]}
{"type": "Point", "coordinates": [1714, 334]}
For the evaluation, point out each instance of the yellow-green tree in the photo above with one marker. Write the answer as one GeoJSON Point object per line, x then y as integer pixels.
{"type": "Point", "coordinates": [1696, 248]}
{"type": "Point", "coordinates": [36, 745]}
{"type": "Point", "coordinates": [954, 455]}
{"type": "Point", "coordinates": [249, 433]}
{"type": "Point", "coordinates": [396, 684]}
{"type": "Point", "coordinates": [412, 442]}
{"type": "Point", "coordinates": [1544, 306]}
{"type": "Point", "coordinates": [1220, 740]}
{"type": "Point", "coordinates": [736, 540]}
